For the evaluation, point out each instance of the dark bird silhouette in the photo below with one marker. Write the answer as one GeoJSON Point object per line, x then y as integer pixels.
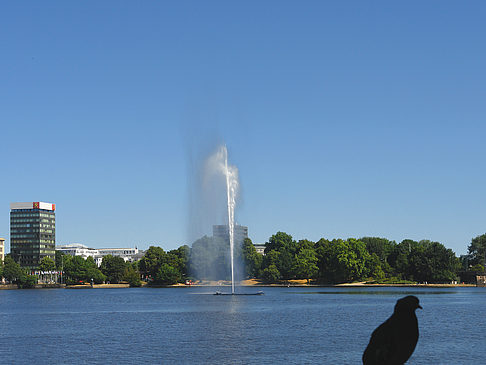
{"type": "Point", "coordinates": [393, 342]}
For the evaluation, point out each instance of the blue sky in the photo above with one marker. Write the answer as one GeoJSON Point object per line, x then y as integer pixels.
{"type": "Point", "coordinates": [345, 119]}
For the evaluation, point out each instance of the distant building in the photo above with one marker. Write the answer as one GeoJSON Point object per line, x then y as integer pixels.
{"type": "Point", "coordinates": [260, 248]}
{"type": "Point", "coordinates": [2, 249]}
{"type": "Point", "coordinates": [77, 249]}
{"type": "Point", "coordinates": [480, 280]}
{"type": "Point", "coordinates": [127, 254]}
{"type": "Point", "coordinates": [32, 232]}
{"type": "Point", "coordinates": [222, 231]}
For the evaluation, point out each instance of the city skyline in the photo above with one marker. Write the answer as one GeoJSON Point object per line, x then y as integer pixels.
{"type": "Point", "coordinates": [344, 120]}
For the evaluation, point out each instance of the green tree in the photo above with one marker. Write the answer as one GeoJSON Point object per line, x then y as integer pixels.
{"type": "Point", "coordinates": [271, 274]}
{"type": "Point", "coordinates": [11, 269]}
{"type": "Point", "coordinates": [135, 265]}
{"type": "Point", "coordinates": [306, 263]}
{"type": "Point", "coordinates": [323, 248]}
{"type": "Point", "coordinates": [90, 262]}
{"type": "Point", "coordinates": [95, 274]}
{"type": "Point", "coordinates": [477, 250]}
{"type": "Point", "coordinates": [382, 248]}
{"type": "Point", "coordinates": [26, 281]}
{"type": "Point", "coordinates": [279, 242]}
{"type": "Point", "coordinates": [251, 259]}
{"type": "Point", "coordinates": [151, 261]}
{"type": "Point", "coordinates": [183, 253]}
{"type": "Point", "coordinates": [399, 259]}
{"type": "Point", "coordinates": [59, 259]}
{"type": "Point", "coordinates": [287, 249]}
{"type": "Point", "coordinates": [73, 269]}
{"type": "Point", "coordinates": [418, 268]}
{"type": "Point", "coordinates": [432, 262]}
{"type": "Point", "coordinates": [375, 270]}
{"type": "Point", "coordinates": [167, 275]}
{"type": "Point", "coordinates": [305, 244]}
{"type": "Point", "coordinates": [132, 276]}
{"type": "Point", "coordinates": [78, 269]}
{"type": "Point", "coordinates": [173, 259]}
{"type": "Point", "coordinates": [47, 264]}
{"type": "Point", "coordinates": [271, 258]}
{"type": "Point", "coordinates": [342, 261]}
{"type": "Point", "coordinates": [113, 267]}
{"type": "Point", "coordinates": [286, 264]}
{"type": "Point", "coordinates": [156, 263]}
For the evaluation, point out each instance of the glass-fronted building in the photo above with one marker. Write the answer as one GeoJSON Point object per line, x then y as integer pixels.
{"type": "Point", "coordinates": [222, 231]}
{"type": "Point", "coordinates": [2, 249]}
{"type": "Point", "coordinates": [32, 232]}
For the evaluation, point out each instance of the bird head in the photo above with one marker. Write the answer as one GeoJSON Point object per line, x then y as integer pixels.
{"type": "Point", "coordinates": [407, 304]}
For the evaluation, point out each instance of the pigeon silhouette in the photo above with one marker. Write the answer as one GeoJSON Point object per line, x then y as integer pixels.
{"type": "Point", "coordinates": [393, 342]}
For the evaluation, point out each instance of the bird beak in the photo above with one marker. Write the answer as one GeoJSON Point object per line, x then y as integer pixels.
{"type": "Point", "coordinates": [419, 307]}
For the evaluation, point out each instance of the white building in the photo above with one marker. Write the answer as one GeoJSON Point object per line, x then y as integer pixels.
{"type": "Point", "coordinates": [260, 248]}
{"type": "Point", "coordinates": [77, 249]}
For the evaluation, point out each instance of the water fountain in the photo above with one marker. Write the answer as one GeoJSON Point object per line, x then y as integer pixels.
{"type": "Point", "coordinates": [231, 174]}
{"type": "Point", "coordinates": [219, 190]}
{"type": "Point", "coordinates": [231, 190]}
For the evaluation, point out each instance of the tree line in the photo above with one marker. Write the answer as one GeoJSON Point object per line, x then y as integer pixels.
{"type": "Point", "coordinates": [371, 259]}
{"type": "Point", "coordinates": [75, 270]}
{"type": "Point", "coordinates": [326, 261]}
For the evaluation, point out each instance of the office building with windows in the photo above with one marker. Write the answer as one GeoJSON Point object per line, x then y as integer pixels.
{"type": "Point", "coordinates": [32, 232]}
{"type": "Point", "coordinates": [222, 231]}
{"type": "Point", "coordinates": [2, 249]}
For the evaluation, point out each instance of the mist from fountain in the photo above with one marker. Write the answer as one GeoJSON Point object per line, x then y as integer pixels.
{"type": "Point", "coordinates": [214, 191]}
{"type": "Point", "coordinates": [220, 185]}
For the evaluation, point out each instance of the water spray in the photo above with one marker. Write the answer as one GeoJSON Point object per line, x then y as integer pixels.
{"type": "Point", "coordinates": [231, 190]}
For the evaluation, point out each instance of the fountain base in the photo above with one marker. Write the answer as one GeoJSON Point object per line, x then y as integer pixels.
{"type": "Point", "coordinates": [257, 293]}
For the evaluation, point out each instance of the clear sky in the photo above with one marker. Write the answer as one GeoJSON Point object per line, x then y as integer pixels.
{"type": "Point", "coordinates": [345, 119]}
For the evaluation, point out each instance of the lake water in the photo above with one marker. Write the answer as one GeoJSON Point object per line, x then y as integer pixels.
{"type": "Point", "coordinates": [191, 326]}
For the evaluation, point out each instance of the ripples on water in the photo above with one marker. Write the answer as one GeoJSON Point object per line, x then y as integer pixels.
{"type": "Point", "coordinates": [286, 325]}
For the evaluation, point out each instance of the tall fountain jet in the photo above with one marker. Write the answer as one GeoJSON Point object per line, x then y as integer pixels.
{"type": "Point", "coordinates": [231, 173]}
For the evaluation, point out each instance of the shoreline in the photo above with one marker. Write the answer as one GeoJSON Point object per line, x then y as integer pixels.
{"type": "Point", "coordinates": [245, 283]}
{"type": "Point", "coordinates": [346, 285]}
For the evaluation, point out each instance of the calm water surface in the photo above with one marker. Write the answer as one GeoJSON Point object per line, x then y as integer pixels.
{"type": "Point", "coordinates": [191, 326]}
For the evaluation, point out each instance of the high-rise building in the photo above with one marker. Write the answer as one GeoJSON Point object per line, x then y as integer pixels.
{"type": "Point", "coordinates": [222, 231]}
{"type": "Point", "coordinates": [2, 249]}
{"type": "Point", "coordinates": [32, 232]}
